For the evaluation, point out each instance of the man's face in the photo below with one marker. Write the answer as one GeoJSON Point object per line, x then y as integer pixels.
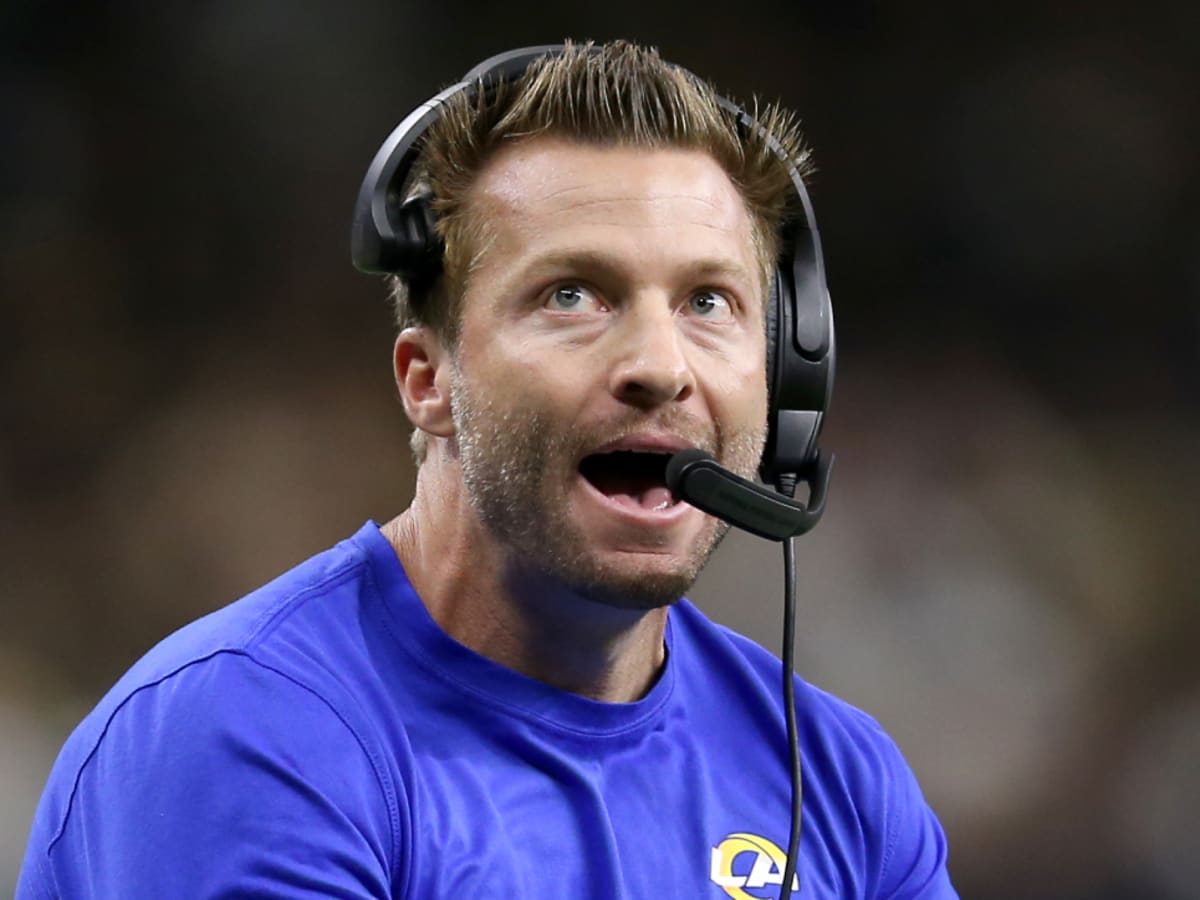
{"type": "Point", "coordinates": [616, 316]}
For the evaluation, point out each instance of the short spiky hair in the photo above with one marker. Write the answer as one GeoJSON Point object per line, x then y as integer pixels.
{"type": "Point", "coordinates": [612, 94]}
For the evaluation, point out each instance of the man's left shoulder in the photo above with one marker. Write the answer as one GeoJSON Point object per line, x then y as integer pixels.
{"type": "Point", "coordinates": [857, 782]}
{"type": "Point", "coordinates": [722, 650]}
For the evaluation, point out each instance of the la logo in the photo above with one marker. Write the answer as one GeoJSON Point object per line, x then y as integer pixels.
{"type": "Point", "coordinates": [767, 868]}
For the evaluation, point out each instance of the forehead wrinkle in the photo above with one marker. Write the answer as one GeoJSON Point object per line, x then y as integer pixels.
{"type": "Point", "coordinates": [509, 179]}
{"type": "Point", "coordinates": [662, 197]}
{"type": "Point", "coordinates": [527, 205]}
{"type": "Point", "coordinates": [602, 212]}
{"type": "Point", "coordinates": [623, 223]}
{"type": "Point", "coordinates": [644, 213]}
{"type": "Point", "coordinates": [570, 256]}
{"type": "Point", "coordinates": [541, 246]}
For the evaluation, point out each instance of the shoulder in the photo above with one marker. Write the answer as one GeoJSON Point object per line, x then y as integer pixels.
{"type": "Point", "coordinates": [710, 646]}
{"type": "Point", "coordinates": [233, 762]}
{"type": "Point", "coordinates": [252, 656]}
{"type": "Point", "coordinates": [903, 846]}
{"type": "Point", "coordinates": [861, 796]}
{"type": "Point", "coordinates": [236, 722]}
{"type": "Point", "coordinates": [850, 738]}
{"type": "Point", "coordinates": [309, 600]}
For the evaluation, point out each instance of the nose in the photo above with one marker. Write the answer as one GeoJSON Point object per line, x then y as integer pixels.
{"type": "Point", "coordinates": [652, 368]}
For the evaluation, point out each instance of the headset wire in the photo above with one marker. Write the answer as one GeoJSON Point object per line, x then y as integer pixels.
{"type": "Point", "coordinates": [789, 699]}
{"type": "Point", "coordinates": [786, 485]}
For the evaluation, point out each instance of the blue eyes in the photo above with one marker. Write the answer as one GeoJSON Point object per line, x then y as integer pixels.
{"type": "Point", "coordinates": [707, 304]}
{"type": "Point", "coordinates": [710, 305]}
{"type": "Point", "coordinates": [571, 297]}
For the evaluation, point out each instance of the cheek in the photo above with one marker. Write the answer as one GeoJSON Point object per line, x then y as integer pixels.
{"type": "Point", "coordinates": [743, 392]}
{"type": "Point", "coordinates": [534, 384]}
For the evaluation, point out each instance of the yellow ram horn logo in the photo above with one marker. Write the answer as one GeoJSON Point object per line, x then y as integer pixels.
{"type": "Point", "coordinates": [767, 868]}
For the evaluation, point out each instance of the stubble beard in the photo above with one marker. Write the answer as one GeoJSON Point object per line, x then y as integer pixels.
{"type": "Point", "coordinates": [517, 467]}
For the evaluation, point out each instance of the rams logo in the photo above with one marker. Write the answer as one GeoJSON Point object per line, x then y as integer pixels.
{"type": "Point", "coordinates": [758, 861]}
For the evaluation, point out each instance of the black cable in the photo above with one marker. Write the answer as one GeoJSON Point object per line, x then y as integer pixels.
{"type": "Point", "coordinates": [786, 485]}
{"type": "Point", "coordinates": [789, 700]}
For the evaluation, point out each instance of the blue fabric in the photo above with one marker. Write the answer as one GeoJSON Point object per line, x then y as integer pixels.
{"type": "Point", "coordinates": [323, 737]}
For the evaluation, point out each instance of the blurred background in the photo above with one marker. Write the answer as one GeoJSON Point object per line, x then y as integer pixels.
{"type": "Point", "coordinates": [195, 389]}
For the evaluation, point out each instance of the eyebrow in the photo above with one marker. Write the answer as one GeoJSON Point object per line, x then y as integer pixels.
{"type": "Point", "coordinates": [586, 260]}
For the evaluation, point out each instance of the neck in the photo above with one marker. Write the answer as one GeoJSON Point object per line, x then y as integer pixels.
{"type": "Point", "coordinates": [523, 620]}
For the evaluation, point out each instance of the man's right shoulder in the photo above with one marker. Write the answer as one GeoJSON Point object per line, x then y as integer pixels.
{"type": "Point", "coordinates": [306, 600]}
{"type": "Point", "coordinates": [262, 686]}
{"type": "Point", "coordinates": [293, 627]}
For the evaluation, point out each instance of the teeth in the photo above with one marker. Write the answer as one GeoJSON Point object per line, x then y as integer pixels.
{"type": "Point", "coordinates": [657, 499]}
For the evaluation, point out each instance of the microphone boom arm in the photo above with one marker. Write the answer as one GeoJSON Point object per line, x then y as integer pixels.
{"type": "Point", "coordinates": [696, 478]}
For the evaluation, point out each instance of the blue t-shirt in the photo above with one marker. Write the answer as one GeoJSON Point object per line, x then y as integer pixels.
{"type": "Point", "coordinates": [323, 737]}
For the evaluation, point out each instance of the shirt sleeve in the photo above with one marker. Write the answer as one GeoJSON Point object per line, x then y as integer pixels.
{"type": "Point", "coordinates": [913, 866]}
{"type": "Point", "coordinates": [226, 779]}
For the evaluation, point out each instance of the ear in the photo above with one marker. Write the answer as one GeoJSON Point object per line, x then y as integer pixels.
{"type": "Point", "coordinates": [422, 366]}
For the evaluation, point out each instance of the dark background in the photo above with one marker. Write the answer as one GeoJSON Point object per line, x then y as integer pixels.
{"type": "Point", "coordinates": [195, 389]}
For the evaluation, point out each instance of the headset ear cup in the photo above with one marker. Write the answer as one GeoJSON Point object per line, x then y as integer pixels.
{"type": "Point", "coordinates": [772, 329]}
{"type": "Point", "coordinates": [774, 315]}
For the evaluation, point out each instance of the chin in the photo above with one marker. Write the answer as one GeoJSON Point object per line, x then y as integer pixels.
{"type": "Point", "coordinates": [643, 592]}
{"type": "Point", "coordinates": [638, 580]}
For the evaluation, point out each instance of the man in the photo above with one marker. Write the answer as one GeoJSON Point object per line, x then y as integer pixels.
{"type": "Point", "coordinates": [499, 693]}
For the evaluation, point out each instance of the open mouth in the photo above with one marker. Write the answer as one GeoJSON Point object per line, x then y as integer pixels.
{"type": "Point", "coordinates": [633, 478]}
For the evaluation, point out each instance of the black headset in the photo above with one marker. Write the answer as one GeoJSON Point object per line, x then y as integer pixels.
{"type": "Point", "coordinates": [392, 234]}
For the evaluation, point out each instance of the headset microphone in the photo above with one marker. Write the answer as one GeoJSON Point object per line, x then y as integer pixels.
{"type": "Point", "coordinates": [696, 478]}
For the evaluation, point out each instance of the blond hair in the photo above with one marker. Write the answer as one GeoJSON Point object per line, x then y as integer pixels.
{"type": "Point", "coordinates": [610, 94]}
